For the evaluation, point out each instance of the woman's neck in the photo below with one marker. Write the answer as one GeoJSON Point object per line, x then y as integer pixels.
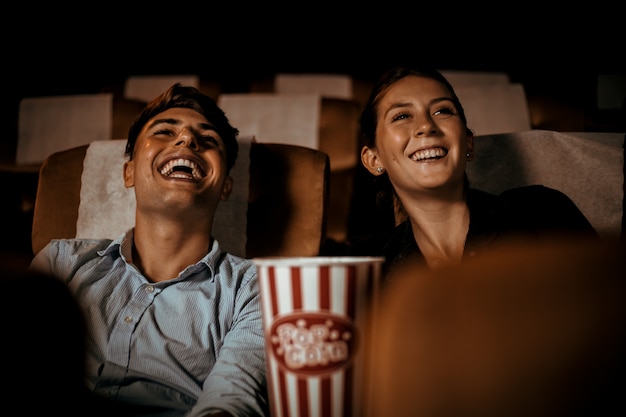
{"type": "Point", "coordinates": [440, 231]}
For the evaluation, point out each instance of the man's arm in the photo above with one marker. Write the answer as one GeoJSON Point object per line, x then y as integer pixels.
{"type": "Point", "coordinates": [237, 382]}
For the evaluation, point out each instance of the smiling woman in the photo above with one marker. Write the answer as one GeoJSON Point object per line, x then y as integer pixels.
{"type": "Point", "coordinates": [416, 144]}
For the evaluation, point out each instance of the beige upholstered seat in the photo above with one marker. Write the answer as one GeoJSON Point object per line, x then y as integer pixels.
{"type": "Point", "coordinates": [287, 198]}
{"type": "Point", "coordinates": [147, 86]}
{"type": "Point", "coordinates": [324, 123]}
{"type": "Point", "coordinates": [587, 166]}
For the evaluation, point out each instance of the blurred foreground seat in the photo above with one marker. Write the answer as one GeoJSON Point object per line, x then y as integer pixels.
{"type": "Point", "coordinates": [525, 330]}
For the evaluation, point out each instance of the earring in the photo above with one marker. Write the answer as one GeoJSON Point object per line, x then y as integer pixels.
{"type": "Point", "coordinates": [380, 170]}
{"type": "Point", "coordinates": [467, 155]}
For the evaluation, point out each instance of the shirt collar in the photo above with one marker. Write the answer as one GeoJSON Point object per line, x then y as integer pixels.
{"type": "Point", "coordinates": [123, 244]}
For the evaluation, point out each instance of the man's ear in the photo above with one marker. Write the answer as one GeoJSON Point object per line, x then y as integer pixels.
{"type": "Point", "coordinates": [369, 159]}
{"type": "Point", "coordinates": [227, 188]}
{"type": "Point", "coordinates": [129, 174]}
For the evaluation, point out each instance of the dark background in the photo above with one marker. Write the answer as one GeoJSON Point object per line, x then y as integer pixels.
{"type": "Point", "coordinates": [65, 50]}
{"type": "Point", "coordinates": [557, 55]}
{"type": "Point", "coordinates": [54, 49]}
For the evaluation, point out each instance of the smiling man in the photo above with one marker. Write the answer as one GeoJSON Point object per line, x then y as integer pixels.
{"type": "Point", "coordinates": [173, 322]}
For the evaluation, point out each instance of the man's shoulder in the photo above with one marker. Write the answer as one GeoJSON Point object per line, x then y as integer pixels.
{"type": "Point", "coordinates": [80, 244]}
{"type": "Point", "coordinates": [238, 261]}
{"type": "Point", "coordinates": [235, 265]}
{"type": "Point", "coordinates": [62, 255]}
{"type": "Point", "coordinates": [71, 251]}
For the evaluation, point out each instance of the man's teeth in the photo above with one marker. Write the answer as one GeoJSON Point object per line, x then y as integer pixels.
{"type": "Point", "coordinates": [429, 154]}
{"type": "Point", "coordinates": [181, 168]}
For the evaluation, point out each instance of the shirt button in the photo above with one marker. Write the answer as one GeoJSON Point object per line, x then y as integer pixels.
{"type": "Point", "coordinates": [150, 288]}
{"type": "Point", "coordinates": [472, 253]}
{"type": "Point", "coordinates": [128, 319]}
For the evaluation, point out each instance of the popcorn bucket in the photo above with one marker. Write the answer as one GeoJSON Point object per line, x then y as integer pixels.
{"type": "Point", "coordinates": [317, 312]}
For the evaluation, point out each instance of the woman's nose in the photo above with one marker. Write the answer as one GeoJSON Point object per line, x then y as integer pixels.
{"type": "Point", "coordinates": [425, 125]}
{"type": "Point", "coordinates": [187, 138]}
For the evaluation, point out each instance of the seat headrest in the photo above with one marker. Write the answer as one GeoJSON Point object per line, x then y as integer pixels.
{"type": "Point", "coordinates": [107, 207]}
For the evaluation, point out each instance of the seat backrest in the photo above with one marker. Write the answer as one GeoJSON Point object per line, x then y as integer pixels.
{"type": "Point", "coordinates": [50, 124]}
{"type": "Point", "coordinates": [495, 108]}
{"type": "Point", "coordinates": [147, 86]}
{"type": "Point", "coordinates": [287, 199]}
{"type": "Point", "coordinates": [278, 118]}
{"type": "Point", "coordinates": [306, 119]}
{"type": "Point", "coordinates": [587, 166]}
{"type": "Point", "coordinates": [459, 78]}
{"type": "Point", "coordinates": [326, 85]}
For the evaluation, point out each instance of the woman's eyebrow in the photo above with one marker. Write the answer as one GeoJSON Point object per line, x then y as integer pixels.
{"type": "Point", "coordinates": [440, 99]}
{"type": "Point", "coordinates": [397, 105]}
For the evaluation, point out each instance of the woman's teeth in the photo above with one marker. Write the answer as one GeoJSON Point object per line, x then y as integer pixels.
{"type": "Point", "coordinates": [432, 153]}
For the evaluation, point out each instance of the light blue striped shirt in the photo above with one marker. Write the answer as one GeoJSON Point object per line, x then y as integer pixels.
{"type": "Point", "coordinates": [185, 346]}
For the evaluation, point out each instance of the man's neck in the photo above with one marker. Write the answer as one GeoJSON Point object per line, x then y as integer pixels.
{"type": "Point", "coordinates": [161, 251]}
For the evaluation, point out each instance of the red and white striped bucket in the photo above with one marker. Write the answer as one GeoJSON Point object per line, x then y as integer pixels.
{"type": "Point", "coordinates": [317, 312]}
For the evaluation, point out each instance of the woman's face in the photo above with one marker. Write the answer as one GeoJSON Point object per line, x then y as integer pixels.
{"type": "Point", "coordinates": [421, 140]}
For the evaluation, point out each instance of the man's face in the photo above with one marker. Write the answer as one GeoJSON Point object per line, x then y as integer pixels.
{"type": "Point", "coordinates": [179, 161]}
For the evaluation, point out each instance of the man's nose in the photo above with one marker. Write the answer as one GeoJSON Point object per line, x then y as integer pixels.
{"type": "Point", "coordinates": [187, 138]}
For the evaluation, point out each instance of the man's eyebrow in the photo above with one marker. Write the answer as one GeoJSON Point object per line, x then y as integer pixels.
{"type": "Point", "coordinates": [172, 121]}
{"type": "Point", "coordinates": [166, 120]}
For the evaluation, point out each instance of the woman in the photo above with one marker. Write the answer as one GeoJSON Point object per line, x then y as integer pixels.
{"type": "Point", "coordinates": [416, 140]}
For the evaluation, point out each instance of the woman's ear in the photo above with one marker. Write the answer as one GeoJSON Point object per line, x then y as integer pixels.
{"type": "Point", "coordinates": [369, 159]}
{"type": "Point", "coordinates": [129, 174]}
{"type": "Point", "coordinates": [227, 188]}
{"type": "Point", "coordinates": [470, 147]}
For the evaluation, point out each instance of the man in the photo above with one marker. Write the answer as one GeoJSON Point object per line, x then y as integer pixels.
{"type": "Point", "coordinates": [173, 322]}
